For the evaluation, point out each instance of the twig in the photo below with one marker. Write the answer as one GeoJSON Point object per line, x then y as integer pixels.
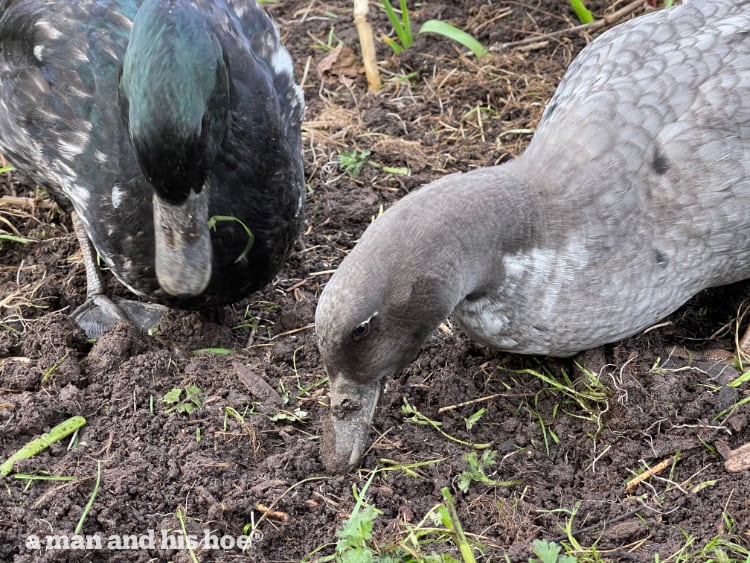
{"type": "Point", "coordinates": [276, 514]}
{"type": "Point", "coordinates": [455, 406]}
{"type": "Point", "coordinates": [366, 43]}
{"type": "Point", "coordinates": [294, 331]}
{"type": "Point", "coordinates": [593, 26]}
{"type": "Point", "coordinates": [9, 201]}
{"type": "Point", "coordinates": [659, 467]}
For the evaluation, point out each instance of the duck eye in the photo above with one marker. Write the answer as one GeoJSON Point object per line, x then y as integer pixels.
{"type": "Point", "coordinates": [361, 330]}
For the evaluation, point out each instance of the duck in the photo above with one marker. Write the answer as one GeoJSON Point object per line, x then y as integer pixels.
{"type": "Point", "coordinates": [171, 131]}
{"type": "Point", "coordinates": [632, 196]}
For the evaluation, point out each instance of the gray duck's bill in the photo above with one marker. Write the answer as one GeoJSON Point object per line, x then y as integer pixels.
{"type": "Point", "coordinates": [346, 431]}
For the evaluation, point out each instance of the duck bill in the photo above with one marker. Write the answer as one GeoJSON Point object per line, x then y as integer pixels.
{"type": "Point", "coordinates": [345, 432]}
{"type": "Point", "coordinates": [183, 244]}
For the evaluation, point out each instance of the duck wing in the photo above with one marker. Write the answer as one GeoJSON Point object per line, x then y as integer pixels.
{"type": "Point", "coordinates": [53, 66]}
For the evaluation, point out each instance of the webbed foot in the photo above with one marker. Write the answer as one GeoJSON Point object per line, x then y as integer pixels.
{"type": "Point", "coordinates": [100, 313]}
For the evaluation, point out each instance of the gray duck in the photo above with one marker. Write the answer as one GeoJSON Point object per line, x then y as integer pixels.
{"type": "Point", "coordinates": [632, 196]}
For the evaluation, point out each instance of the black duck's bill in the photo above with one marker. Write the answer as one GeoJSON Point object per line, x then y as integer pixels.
{"type": "Point", "coordinates": [345, 432]}
{"type": "Point", "coordinates": [183, 245]}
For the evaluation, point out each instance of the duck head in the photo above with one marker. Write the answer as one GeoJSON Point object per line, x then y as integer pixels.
{"type": "Point", "coordinates": [372, 318]}
{"type": "Point", "coordinates": [174, 101]}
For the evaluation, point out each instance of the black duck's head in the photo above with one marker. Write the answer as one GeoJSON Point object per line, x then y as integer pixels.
{"type": "Point", "coordinates": [174, 101]}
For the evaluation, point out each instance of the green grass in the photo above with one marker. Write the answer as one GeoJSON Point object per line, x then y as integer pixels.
{"type": "Point", "coordinates": [13, 238]}
{"type": "Point", "coordinates": [585, 16]}
{"type": "Point", "coordinates": [188, 543]}
{"type": "Point", "coordinates": [415, 417]}
{"type": "Point", "coordinates": [214, 219]}
{"type": "Point", "coordinates": [52, 369]}
{"type": "Point", "coordinates": [440, 529]}
{"type": "Point", "coordinates": [583, 397]}
{"type": "Point", "coordinates": [405, 38]}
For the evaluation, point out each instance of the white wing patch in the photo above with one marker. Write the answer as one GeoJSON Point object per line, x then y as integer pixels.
{"type": "Point", "coordinates": [118, 195]}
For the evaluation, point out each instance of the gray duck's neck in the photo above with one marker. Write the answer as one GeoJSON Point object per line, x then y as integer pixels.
{"type": "Point", "coordinates": [458, 228]}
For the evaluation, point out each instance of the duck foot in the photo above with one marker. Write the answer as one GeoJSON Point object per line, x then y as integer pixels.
{"type": "Point", "coordinates": [99, 314]}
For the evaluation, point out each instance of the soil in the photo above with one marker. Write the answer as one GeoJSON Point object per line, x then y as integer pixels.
{"type": "Point", "coordinates": [253, 445]}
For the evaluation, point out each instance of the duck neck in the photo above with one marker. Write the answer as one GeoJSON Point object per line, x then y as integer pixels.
{"type": "Point", "coordinates": [458, 229]}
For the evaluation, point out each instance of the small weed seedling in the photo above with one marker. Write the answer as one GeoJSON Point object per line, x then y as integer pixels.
{"type": "Point", "coordinates": [352, 162]}
{"type": "Point", "coordinates": [355, 536]}
{"type": "Point", "coordinates": [471, 420]}
{"type": "Point", "coordinates": [549, 552]}
{"type": "Point", "coordinates": [572, 546]}
{"type": "Point", "coordinates": [297, 415]}
{"type": "Point", "coordinates": [477, 471]}
{"type": "Point", "coordinates": [183, 401]}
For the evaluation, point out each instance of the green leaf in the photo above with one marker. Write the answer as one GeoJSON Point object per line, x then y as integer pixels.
{"type": "Point", "coordinates": [454, 34]}
{"type": "Point", "coordinates": [353, 161]}
{"type": "Point", "coordinates": [549, 552]}
{"type": "Point", "coordinates": [172, 396]}
{"type": "Point", "coordinates": [401, 25]}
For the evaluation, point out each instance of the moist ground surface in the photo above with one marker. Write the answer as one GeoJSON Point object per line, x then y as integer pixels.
{"type": "Point", "coordinates": [565, 457]}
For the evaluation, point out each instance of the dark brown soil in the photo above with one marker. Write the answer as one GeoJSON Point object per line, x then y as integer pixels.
{"type": "Point", "coordinates": [439, 111]}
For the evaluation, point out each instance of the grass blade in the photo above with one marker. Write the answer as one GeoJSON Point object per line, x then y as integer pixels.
{"type": "Point", "coordinates": [44, 441]}
{"type": "Point", "coordinates": [402, 28]}
{"type": "Point", "coordinates": [406, 24]}
{"type": "Point", "coordinates": [582, 13]}
{"type": "Point", "coordinates": [454, 34]}
{"type": "Point", "coordinates": [90, 503]}
{"type": "Point", "coordinates": [13, 238]}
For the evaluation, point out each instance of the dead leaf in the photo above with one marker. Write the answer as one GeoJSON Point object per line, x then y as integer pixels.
{"type": "Point", "coordinates": [340, 64]}
{"type": "Point", "coordinates": [257, 386]}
